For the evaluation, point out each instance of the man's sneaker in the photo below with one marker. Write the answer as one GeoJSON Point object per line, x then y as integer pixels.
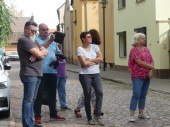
{"type": "Point", "coordinates": [91, 122]}
{"type": "Point", "coordinates": [65, 108]}
{"type": "Point", "coordinates": [38, 125]}
{"type": "Point", "coordinates": [131, 119]}
{"type": "Point", "coordinates": [143, 116]}
{"type": "Point", "coordinates": [58, 118]}
{"type": "Point", "coordinates": [98, 121]}
{"type": "Point", "coordinates": [38, 120]}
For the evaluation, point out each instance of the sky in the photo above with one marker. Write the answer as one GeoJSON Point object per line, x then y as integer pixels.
{"type": "Point", "coordinates": [44, 11]}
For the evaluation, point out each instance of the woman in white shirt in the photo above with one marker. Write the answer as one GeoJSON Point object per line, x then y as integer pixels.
{"type": "Point", "coordinates": [89, 56]}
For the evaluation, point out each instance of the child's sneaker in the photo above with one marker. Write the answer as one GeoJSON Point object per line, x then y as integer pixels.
{"type": "Point", "coordinates": [132, 119]}
{"type": "Point", "coordinates": [143, 116]}
{"type": "Point", "coordinates": [94, 112]}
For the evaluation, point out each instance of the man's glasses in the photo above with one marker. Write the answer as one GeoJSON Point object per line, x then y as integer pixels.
{"type": "Point", "coordinates": [45, 29]}
{"type": "Point", "coordinates": [33, 31]}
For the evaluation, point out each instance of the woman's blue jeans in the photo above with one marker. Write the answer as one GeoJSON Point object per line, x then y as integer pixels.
{"type": "Point", "coordinates": [61, 88]}
{"type": "Point", "coordinates": [140, 89]}
{"type": "Point", "coordinates": [31, 84]}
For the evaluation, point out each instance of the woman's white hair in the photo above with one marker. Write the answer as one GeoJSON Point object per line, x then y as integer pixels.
{"type": "Point", "coordinates": [136, 38]}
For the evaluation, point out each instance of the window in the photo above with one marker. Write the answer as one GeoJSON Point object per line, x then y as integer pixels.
{"type": "Point", "coordinates": [122, 44]}
{"type": "Point", "coordinates": [142, 30]}
{"type": "Point", "coordinates": [138, 1]}
{"type": "Point", "coordinates": [121, 4]}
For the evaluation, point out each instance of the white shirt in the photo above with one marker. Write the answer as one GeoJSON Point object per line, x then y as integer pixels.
{"type": "Point", "coordinates": [92, 54]}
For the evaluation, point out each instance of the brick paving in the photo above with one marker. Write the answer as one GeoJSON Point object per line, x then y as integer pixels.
{"type": "Point", "coordinates": [115, 105]}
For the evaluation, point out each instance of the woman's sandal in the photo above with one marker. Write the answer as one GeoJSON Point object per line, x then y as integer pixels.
{"type": "Point", "coordinates": [77, 113]}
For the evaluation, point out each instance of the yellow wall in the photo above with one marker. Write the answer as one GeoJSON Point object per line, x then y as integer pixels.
{"type": "Point", "coordinates": [109, 30]}
{"type": "Point", "coordinates": [80, 24]}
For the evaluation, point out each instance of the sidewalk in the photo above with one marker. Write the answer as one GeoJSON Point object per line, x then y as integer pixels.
{"type": "Point", "coordinates": [160, 85]}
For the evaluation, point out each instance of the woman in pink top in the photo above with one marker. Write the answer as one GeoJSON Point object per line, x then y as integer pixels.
{"type": "Point", "coordinates": [140, 64]}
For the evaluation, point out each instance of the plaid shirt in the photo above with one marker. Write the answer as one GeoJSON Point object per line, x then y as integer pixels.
{"type": "Point", "coordinates": [138, 71]}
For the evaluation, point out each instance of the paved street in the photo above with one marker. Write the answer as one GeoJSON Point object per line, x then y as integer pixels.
{"type": "Point", "coordinates": [115, 105]}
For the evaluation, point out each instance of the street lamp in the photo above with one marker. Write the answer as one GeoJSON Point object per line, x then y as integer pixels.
{"type": "Point", "coordinates": [104, 2]}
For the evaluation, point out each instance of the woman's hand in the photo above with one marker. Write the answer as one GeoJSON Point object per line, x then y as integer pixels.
{"type": "Point", "coordinates": [150, 74]}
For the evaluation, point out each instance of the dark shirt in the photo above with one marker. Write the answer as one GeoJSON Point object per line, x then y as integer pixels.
{"type": "Point", "coordinates": [27, 67]}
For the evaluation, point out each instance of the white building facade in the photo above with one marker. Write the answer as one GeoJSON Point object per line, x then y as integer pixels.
{"type": "Point", "coordinates": [151, 17]}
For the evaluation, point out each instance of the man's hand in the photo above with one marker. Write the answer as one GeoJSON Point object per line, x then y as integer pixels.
{"type": "Point", "coordinates": [32, 58]}
{"type": "Point", "coordinates": [52, 37]}
{"type": "Point", "coordinates": [49, 41]}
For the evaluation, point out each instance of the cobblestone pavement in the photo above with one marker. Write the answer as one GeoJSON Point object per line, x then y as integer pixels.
{"type": "Point", "coordinates": [115, 105]}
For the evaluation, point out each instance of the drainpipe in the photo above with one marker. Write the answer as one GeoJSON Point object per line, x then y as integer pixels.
{"type": "Point", "coordinates": [86, 15]}
{"type": "Point", "coordinates": [169, 40]}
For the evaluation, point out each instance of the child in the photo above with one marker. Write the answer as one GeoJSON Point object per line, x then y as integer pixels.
{"type": "Point", "coordinates": [80, 104]}
{"type": "Point", "coordinates": [61, 80]}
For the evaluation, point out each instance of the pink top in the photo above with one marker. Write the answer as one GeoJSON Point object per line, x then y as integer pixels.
{"type": "Point", "coordinates": [138, 71]}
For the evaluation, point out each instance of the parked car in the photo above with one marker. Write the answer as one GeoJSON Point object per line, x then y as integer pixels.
{"type": "Point", "coordinates": [4, 58]}
{"type": "Point", "coordinates": [13, 56]}
{"type": "Point", "coordinates": [4, 90]}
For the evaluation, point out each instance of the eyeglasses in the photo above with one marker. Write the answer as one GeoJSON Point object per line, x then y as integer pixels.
{"type": "Point", "coordinates": [45, 29]}
{"type": "Point", "coordinates": [33, 31]}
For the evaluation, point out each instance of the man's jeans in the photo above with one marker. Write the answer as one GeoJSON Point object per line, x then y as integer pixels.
{"type": "Point", "coordinates": [49, 82]}
{"type": "Point", "coordinates": [61, 88]}
{"type": "Point", "coordinates": [140, 88]}
{"type": "Point", "coordinates": [87, 81]}
{"type": "Point", "coordinates": [31, 85]}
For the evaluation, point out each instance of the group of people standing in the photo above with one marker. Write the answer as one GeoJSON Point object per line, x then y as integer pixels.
{"type": "Point", "coordinates": [36, 54]}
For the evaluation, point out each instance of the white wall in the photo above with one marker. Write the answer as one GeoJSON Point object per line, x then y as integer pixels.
{"type": "Point", "coordinates": [134, 16]}
{"type": "Point", "coordinates": [162, 15]}
{"type": "Point", "coordinates": [162, 9]}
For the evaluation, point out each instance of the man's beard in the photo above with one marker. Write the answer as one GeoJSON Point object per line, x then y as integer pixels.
{"type": "Point", "coordinates": [32, 38]}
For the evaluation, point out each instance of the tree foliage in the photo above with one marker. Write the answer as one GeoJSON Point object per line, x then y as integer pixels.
{"type": "Point", "coordinates": [5, 23]}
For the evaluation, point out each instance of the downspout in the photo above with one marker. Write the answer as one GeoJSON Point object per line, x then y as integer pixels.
{"type": "Point", "coordinates": [86, 15]}
{"type": "Point", "coordinates": [169, 41]}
